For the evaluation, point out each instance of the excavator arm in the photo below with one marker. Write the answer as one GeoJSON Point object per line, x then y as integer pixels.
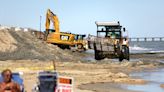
{"type": "Point", "coordinates": [51, 17]}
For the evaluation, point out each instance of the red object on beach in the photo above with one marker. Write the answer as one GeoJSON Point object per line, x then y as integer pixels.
{"type": "Point", "coordinates": [65, 84]}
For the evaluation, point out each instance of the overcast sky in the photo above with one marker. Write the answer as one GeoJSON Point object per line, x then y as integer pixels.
{"type": "Point", "coordinates": [142, 18]}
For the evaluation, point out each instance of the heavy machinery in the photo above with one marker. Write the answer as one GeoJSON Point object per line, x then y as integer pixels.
{"type": "Point", "coordinates": [80, 42]}
{"type": "Point", "coordinates": [62, 39]}
{"type": "Point", "coordinates": [54, 36]}
{"type": "Point", "coordinates": [109, 42]}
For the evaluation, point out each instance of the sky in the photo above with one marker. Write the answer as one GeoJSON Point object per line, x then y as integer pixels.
{"type": "Point", "coordinates": [142, 18]}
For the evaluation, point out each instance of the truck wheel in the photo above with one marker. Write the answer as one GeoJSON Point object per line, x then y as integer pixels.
{"type": "Point", "coordinates": [126, 52]}
{"type": "Point", "coordinates": [128, 55]}
{"type": "Point", "coordinates": [119, 53]}
{"type": "Point", "coordinates": [98, 55]}
{"type": "Point", "coordinates": [81, 47]}
{"type": "Point", "coordinates": [121, 57]}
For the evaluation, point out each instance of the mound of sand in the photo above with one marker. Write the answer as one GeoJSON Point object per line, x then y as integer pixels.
{"type": "Point", "coordinates": [7, 42]}
{"type": "Point", "coordinates": [23, 45]}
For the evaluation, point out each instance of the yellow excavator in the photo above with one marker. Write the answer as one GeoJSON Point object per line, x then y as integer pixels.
{"type": "Point", "coordinates": [54, 36]}
{"type": "Point", "coordinates": [64, 40]}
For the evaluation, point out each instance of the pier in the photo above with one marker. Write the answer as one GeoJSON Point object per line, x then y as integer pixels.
{"type": "Point", "coordinates": [146, 39]}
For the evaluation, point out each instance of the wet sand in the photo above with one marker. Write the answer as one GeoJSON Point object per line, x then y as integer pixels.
{"type": "Point", "coordinates": [105, 87]}
{"type": "Point", "coordinates": [153, 58]}
{"type": "Point", "coordinates": [97, 73]}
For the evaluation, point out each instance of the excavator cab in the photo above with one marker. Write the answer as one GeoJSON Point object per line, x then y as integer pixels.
{"type": "Point", "coordinates": [63, 40]}
{"type": "Point", "coordinates": [51, 30]}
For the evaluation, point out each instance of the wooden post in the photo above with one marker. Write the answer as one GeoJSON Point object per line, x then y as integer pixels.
{"type": "Point", "coordinates": [54, 65]}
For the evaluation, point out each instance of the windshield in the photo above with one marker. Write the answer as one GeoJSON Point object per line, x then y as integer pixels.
{"type": "Point", "coordinates": [114, 34]}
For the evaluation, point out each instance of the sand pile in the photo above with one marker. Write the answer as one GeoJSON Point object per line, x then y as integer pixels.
{"type": "Point", "coordinates": [23, 45]}
{"type": "Point", "coordinates": [7, 42]}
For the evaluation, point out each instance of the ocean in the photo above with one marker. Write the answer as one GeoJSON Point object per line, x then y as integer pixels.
{"type": "Point", "coordinates": [147, 47]}
{"type": "Point", "coordinates": [154, 77]}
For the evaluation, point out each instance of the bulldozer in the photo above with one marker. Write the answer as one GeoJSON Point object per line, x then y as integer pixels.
{"type": "Point", "coordinates": [80, 42]}
{"type": "Point", "coordinates": [64, 40]}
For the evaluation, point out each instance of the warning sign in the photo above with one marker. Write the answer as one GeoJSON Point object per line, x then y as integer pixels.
{"type": "Point", "coordinates": [65, 84]}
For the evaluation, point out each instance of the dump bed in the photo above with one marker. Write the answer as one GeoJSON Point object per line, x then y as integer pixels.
{"type": "Point", "coordinates": [103, 44]}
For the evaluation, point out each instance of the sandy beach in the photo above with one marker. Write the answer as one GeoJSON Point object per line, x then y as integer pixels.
{"type": "Point", "coordinates": [88, 76]}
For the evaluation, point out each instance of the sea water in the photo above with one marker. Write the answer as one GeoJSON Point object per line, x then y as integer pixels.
{"type": "Point", "coordinates": [154, 78]}
{"type": "Point", "coordinates": [146, 47]}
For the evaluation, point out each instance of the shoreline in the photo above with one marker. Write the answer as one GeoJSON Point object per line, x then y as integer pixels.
{"type": "Point", "coordinates": [121, 87]}
{"type": "Point", "coordinates": [105, 87]}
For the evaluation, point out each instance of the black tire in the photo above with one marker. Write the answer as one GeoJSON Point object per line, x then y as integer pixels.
{"type": "Point", "coordinates": [98, 55]}
{"type": "Point", "coordinates": [80, 46]}
{"type": "Point", "coordinates": [121, 57]}
{"type": "Point", "coordinates": [89, 45]}
{"type": "Point", "coordinates": [119, 53]}
{"type": "Point", "coordinates": [126, 52]}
